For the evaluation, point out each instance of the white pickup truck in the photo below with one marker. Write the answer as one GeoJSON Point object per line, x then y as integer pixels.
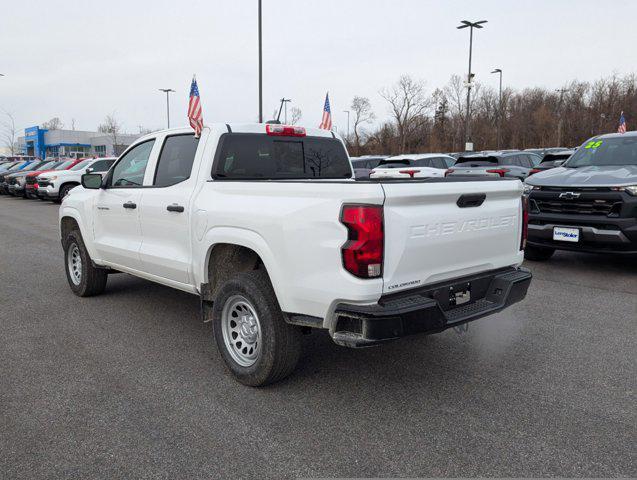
{"type": "Point", "coordinates": [267, 225]}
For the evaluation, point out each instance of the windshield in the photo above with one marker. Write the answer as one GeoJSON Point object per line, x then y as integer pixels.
{"type": "Point", "coordinates": [81, 165]}
{"type": "Point", "coordinates": [64, 165]}
{"type": "Point", "coordinates": [609, 151]}
{"type": "Point", "coordinates": [46, 166]}
{"type": "Point", "coordinates": [32, 166]}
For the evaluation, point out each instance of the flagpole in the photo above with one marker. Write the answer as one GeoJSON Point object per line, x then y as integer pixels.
{"type": "Point", "coordinates": [260, 70]}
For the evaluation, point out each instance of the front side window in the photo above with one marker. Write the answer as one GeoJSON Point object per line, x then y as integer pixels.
{"type": "Point", "coordinates": [175, 160]}
{"type": "Point", "coordinates": [260, 157]}
{"type": "Point", "coordinates": [130, 169]}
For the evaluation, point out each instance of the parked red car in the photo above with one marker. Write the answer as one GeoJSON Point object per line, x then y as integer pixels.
{"type": "Point", "coordinates": [31, 186]}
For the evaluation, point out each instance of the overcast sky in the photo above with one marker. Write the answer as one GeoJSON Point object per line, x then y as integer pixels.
{"type": "Point", "coordinates": [85, 59]}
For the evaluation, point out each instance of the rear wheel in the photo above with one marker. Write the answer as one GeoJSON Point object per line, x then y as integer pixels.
{"type": "Point", "coordinates": [538, 253]}
{"type": "Point", "coordinates": [84, 279]}
{"type": "Point", "coordinates": [256, 343]}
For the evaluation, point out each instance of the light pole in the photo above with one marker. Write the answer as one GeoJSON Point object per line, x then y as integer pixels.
{"type": "Point", "coordinates": [260, 71]}
{"type": "Point", "coordinates": [167, 92]}
{"type": "Point", "coordinates": [561, 91]}
{"type": "Point", "coordinates": [284, 101]}
{"type": "Point", "coordinates": [471, 25]}
{"type": "Point", "coordinates": [499, 127]}
{"type": "Point", "coordinates": [347, 111]}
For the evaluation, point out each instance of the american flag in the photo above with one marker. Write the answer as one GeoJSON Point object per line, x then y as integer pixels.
{"type": "Point", "coordinates": [194, 108]}
{"type": "Point", "coordinates": [622, 124]}
{"type": "Point", "coordinates": [326, 121]}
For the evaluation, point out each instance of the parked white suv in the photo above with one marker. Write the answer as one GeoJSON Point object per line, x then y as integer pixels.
{"type": "Point", "coordinates": [266, 224]}
{"type": "Point", "coordinates": [55, 185]}
{"type": "Point", "coordinates": [421, 165]}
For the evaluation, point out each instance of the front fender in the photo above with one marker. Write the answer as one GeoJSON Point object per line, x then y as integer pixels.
{"type": "Point", "coordinates": [86, 230]}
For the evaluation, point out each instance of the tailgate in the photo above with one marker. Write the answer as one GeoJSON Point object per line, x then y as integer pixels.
{"type": "Point", "coordinates": [430, 238]}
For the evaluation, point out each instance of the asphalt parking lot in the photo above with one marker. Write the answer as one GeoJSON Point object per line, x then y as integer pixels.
{"type": "Point", "coordinates": [129, 384]}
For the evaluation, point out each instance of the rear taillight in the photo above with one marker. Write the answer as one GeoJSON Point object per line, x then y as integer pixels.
{"type": "Point", "coordinates": [525, 221]}
{"type": "Point", "coordinates": [534, 170]}
{"type": "Point", "coordinates": [284, 130]}
{"type": "Point", "coordinates": [449, 171]}
{"type": "Point", "coordinates": [411, 173]}
{"type": "Point", "coordinates": [363, 251]}
{"type": "Point", "coordinates": [499, 171]}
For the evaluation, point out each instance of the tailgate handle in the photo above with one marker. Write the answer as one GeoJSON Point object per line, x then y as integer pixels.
{"type": "Point", "coordinates": [471, 200]}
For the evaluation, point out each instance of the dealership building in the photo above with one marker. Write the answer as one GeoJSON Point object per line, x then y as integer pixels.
{"type": "Point", "coordinates": [43, 143]}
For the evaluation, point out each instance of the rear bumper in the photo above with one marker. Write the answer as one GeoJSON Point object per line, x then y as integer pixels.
{"type": "Point", "coordinates": [428, 309]}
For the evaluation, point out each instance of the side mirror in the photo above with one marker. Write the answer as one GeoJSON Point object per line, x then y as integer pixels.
{"type": "Point", "coordinates": [92, 181]}
{"type": "Point", "coordinates": [89, 170]}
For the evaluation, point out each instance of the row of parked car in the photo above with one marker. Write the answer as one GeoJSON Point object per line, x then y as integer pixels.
{"type": "Point", "coordinates": [503, 163]}
{"type": "Point", "coordinates": [49, 179]}
{"type": "Point", "coordinates": [582, 199]}
{"type": "Point", "coordinates": [588, 204]}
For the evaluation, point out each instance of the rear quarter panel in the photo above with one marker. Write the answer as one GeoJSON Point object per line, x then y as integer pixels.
{"type": "Point", "coordinates": [295, 228]}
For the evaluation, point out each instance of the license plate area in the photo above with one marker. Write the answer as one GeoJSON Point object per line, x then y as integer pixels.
{"type": "Point", "coordinates": [459, 294]}
{"type": "Point", "coordinates": [565, 234]}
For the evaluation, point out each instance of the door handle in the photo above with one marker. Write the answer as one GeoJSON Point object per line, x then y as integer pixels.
{"type": "Point", "coordinates": [130, 205]}
{"type": "Point", "coordinates": [175, 208]}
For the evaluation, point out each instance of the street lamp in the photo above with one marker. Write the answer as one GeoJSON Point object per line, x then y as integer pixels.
{"type": "Point", "coordinates": [497, 70]}
{"type": "Point", "coordinates": [167, 92]}
{"type": "Point", "coordinates": [347, 111]}
{"type": "Point", "coordinates": [284, 101]}
{"type": "Point", "coordinates": [260, 71]}
{"type": "Point", "coordinates": [561, 91]}
{"type": "Point", "coordinates": [471, 25]}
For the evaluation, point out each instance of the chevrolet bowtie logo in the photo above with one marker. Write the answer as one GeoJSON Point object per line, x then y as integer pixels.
{"type": "Point", "coordinates": [569, 195]}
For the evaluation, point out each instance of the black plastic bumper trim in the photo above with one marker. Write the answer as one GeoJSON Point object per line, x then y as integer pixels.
{"type": "Point", "coordinates": [428, 309]}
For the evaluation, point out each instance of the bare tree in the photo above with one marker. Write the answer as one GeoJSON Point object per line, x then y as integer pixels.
{"type": "Point", "coordinates": [296, 115]}
{"type": "Point", "coordinates": [408, 106]}
{"type": "Point", "coordinates": [9, 133]}
{"type": "Point", "coordinates": [111, 126]}
{"type": "Point", "coordinates": [54, 124]}
{"type": "Point", "coordinates": [362, 109]}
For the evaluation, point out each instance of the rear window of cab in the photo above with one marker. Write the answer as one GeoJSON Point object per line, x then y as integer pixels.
{"type": "Point", "coordinates": [253, 156]}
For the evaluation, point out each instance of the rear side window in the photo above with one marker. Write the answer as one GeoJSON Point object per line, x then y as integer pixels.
{"type": "Point", "coordinates": [513, 160]}
{"type": "Point", "coordinates": [422, 162]}
{"type": "Point", "coordinates": [439, 162]}
{"type": "Point", "coordinates": [261, 157]}
{"type": "Point", "coordinates": [175, 160]}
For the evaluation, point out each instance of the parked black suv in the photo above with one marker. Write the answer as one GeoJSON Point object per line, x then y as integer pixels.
{"type": "Point", "coordinates": [588, 204]}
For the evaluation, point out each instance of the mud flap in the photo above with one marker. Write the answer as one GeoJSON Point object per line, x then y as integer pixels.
{"type": "Point", "coordinates": [206, 302]}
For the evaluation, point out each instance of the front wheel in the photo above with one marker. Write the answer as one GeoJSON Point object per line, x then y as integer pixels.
{"type": "Point", "coordinates": [84, 278]}
{"type": "Point", "coordinates": [538, 254]}
{"type": "Point", "coordinates": [256, 343]}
